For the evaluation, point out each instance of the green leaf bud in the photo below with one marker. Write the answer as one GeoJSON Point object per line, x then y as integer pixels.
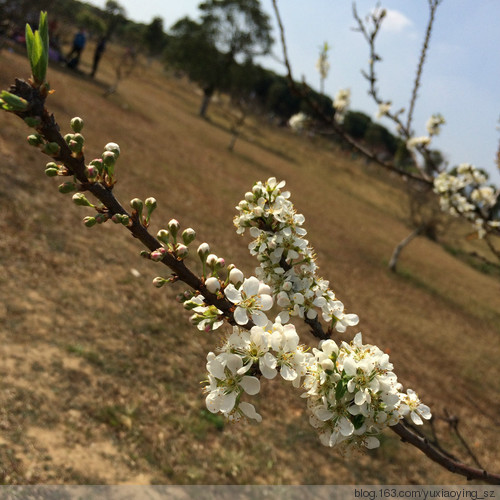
{"type": "Point", "coordinates": [32, 121]}
{"type": "Point", "coordinates": [188, 236]}
{"type": "Point", "coordinates": [51, 149]}
{"type": "Point", "coordinates": [12, 102]}
{"type": "Point", "coordinates": [52, 171]}
{"type": "Point", "coordinates": [76, 124]}
{"type": "Point", "coordinates": [89, 221]}
{"type": "Point", "coordinates": [126, 220]}
{"type": "Point", "coordinates": [80, 200]}
{"type": "Point", "coordinates": [67, 187]}
{"type": "Point", "coordinates": [163, 235]}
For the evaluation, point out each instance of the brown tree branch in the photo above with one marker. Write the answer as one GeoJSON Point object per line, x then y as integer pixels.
{"type": "Point", "coordinates": [49, 130]}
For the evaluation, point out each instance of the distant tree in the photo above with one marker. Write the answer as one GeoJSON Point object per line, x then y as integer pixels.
{"type": "Point", "coordinates": [237, 27]}
{"type": "Point", "coordinates": [155, 38]}
{"type": "Point", "coordinates": [114, 16]}
{"type": "Point", "coordinates": [356, 124]}
{"type": "Point", "coordinates": [191, 50]}
{"type": "Point", "coordinates": [280, 100]}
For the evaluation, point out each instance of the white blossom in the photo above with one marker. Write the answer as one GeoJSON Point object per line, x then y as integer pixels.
{"type": "Point", "coordinates": [250, 301]}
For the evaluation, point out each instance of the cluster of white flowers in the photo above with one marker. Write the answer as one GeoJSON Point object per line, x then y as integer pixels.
{"type": "Point", "coordinates": [298, 122]}
{"type": "Point", "coordinates": [341, 104]}
{"type": "Point", "coordinates": [353, 394]}
{"type": "Point", "coordinates": [414, 142]}
{"type": "Point", "coordinates": [261, 351]}
{"type": "Point", "coordinates": [465, 192]}
{"type": "Point", "coordinates": [383, 109]}
{"type": "Point", "coordinates": [322, 65]}
{"type": "Point", "coordinates": [287, 263]}
{"type": "Point", "coordinates": [434, 123]}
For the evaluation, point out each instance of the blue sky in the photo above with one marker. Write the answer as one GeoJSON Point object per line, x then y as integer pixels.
{"type": "Point", "coordinates": [461, 79]}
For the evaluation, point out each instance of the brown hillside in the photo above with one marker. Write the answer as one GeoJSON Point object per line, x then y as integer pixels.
{"type": "Point", "coordinates": [100, 372]}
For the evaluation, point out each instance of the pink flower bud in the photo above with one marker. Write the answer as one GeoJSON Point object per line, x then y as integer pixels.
{"type": "Point", "coordinates": [158, 254]}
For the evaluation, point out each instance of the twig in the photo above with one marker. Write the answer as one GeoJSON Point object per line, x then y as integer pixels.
{"type": "Point", "coordinates": [453, 422]}
{"type": "Point", "coordinates": [338, 130]}
{"type": "Point", "coordinates": [433, 5]}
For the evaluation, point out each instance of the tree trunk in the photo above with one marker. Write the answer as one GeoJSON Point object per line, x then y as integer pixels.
{"type": "Point", "coordinates": [395, 254]}
{"type": "Point", "coordinates": [207, 96]}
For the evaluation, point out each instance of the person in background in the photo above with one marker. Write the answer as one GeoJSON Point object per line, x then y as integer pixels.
{"type": "Point", "coordinates": [100, 48]}
{"type": "Point", "coordinates": [73, 58]}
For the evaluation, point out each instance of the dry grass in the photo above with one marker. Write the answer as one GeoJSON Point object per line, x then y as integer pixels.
{"type": "Point", "coordinates": [100, 371]}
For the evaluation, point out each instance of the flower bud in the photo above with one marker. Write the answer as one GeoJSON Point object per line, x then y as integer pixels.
{"type": "Point", "coordinates": [32, 121]}
{"type": "Point", "coordinates": [211, 260]}
{"type": "Point", "coordinates": [68, 138]}
{"type": "Point", "coordinates": [158, 254]}
{"type": "Point", "coordinates": [97, 163]}
{"type": "Point", "coordinates": [91, 172]}
{"type": "Point", "coordinates": [327, 364]}
{"type": "Point", "coordinates": [145, 254]}
{"type": "Point", "coordinates": [181, 251]}
{"type": "Point", "coordinates": [51, 171]}
{"type": "Point", "coordinates": [51, 149]}
{"type": "Point", "coordinates": [150, 203]}
{"type": "Point", "coordinates": [163, 235]}
{"type": "Point", "coordinates": [249, 196]}
{"type": "Point", "coordinates": [35, 139]}
{"type": "Point", "coordinates": [89, 221]}
{"type": "Point", "coordinates": [212, 284]}
{"type": "Point", "coordinates": [158, 282]}
{"type": "Point", "coordinates": [101, 218]}
{"type": "Point", "coordinates": [76, 124]}
{"type": "Point", "coordinates": [80, 200]}
{"type": "Point", "coordinates": [221, 262]}
{"type": "Point", "coordinates": [108, 158]}
{"type": "Point", "coordinates": [173, 227]}
{"type": "Point", "coordinates": [203, 251]}
{"type": "Point", "coordinates": [136, 204]}
{"type": "Point", "coordinates": [67, 187]}
{"type": "Point", "coordinates": [114, 148]}
{"type": "Point", "coordinates": [236, 276]}
{"type": "Point", "coordinates": [188, 236]}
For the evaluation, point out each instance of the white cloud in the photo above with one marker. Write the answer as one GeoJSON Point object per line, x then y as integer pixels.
{"type": "Point", "coordinates": [395, 21]}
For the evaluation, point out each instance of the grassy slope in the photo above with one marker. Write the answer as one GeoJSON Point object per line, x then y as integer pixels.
{"type": "Point", "coordinates": [100, 371]}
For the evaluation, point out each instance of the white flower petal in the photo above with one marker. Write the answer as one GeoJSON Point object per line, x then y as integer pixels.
{"type": "Point", "coordinates": [240, 316]}
{"type": "Point", "coordinates": [249, 410]}
{"type": "Point", "coordinates": [251, 385]}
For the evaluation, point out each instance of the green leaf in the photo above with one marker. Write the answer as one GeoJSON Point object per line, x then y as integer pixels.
{"type": "Point", "coordinates": [340, 390]}
{"type": "Point", "coordinates": [37, 46]}
{"type": "Point", "coordinates": [357, 420]}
